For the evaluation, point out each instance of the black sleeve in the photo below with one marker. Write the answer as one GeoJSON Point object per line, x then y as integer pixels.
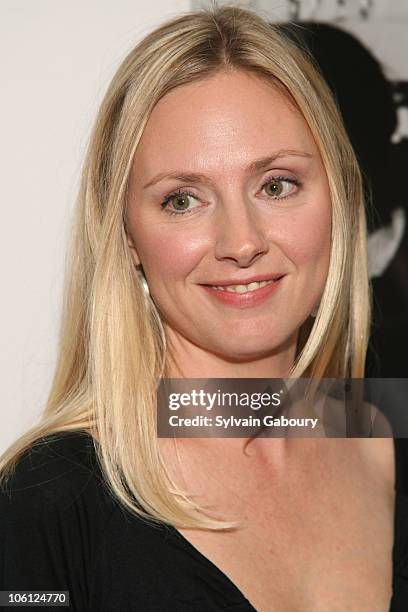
{"type": "Point", "coordinates": [50, 523]}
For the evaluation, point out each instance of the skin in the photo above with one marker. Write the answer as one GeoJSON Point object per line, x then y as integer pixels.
{"type": "Point", "coordinates": [237, 228]}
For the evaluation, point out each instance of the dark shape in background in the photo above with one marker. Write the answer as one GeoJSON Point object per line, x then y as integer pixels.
{"type": "Point", "coordinates": [368, 103]}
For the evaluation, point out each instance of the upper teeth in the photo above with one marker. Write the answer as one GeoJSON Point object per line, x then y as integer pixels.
{"type": "Point", "coordinates": [243, 288]}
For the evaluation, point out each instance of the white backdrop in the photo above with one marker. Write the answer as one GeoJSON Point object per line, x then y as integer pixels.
{"type": "Point", "coordinates": [56, 61]}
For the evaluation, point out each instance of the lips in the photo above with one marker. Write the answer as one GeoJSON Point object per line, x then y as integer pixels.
{"type": "Point", "coordinates": [246, 294]}
{"type": "Point", "coordinates": [244, 285]}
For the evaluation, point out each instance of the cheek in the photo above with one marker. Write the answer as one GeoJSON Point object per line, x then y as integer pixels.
{"type": "Point", "coordinates": [307, 238]}
{"type": "Point", "coordinates": [168, 253]}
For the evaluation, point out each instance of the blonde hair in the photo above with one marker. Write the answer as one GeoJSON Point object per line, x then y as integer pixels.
{"type": "Point", "coordinates": [112, 345]}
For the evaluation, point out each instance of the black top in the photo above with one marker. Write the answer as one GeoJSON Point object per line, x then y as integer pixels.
{"type": "Point", "coordinates": [60, 529]}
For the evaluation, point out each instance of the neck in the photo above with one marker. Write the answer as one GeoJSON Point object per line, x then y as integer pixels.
{"type": "Point", "coordinates": [187, 360]}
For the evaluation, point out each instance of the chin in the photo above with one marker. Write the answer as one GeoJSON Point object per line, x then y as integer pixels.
{"type": "Point", "coordinates": [243, 349]}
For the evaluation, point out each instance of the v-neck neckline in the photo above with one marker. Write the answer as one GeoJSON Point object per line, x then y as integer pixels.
{"type": "Point", "coordinates": [237, 593]}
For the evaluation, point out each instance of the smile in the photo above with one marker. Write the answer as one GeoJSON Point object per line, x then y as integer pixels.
{"type": "Point", "coordinates": [246, 295]}
{"type": "Point", "coordinates": [242, 288]}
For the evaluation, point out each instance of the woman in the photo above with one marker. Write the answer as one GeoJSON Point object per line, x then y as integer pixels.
{"type": "Point", "coordinates": [220, 233]}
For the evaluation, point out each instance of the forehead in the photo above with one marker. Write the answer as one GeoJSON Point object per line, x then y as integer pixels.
{"type": "Point", "coordinates": [220, 123]}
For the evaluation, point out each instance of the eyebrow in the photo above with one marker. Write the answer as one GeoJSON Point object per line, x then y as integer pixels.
{"type": "Point", "coordinates": [257, 164]}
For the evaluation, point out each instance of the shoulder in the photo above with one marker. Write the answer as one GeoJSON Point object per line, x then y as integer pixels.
{"type": "Point", "coordinates": [53, 516]}
{"type": "Point", "coordinates": [54, 461]}
{"type": "Point", "coordinates": [58, 471]}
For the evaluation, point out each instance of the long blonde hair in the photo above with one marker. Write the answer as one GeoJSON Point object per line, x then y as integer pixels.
{"type": "Point", "coordinates": [112, 349]}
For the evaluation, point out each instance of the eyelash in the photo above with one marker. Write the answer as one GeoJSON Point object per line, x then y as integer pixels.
{"type": "Point", "coordinates": [180, 192]}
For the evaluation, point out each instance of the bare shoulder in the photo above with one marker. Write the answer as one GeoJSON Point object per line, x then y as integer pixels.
{"type": "Point", "coordinates": [377, 452]}
{"type": "Point", "coordinates": [379, 456]}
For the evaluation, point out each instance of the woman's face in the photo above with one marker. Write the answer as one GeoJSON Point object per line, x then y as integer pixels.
{"type": "Point", "coordinates": [229, 214]}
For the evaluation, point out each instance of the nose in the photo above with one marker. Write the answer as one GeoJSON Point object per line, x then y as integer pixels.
{"type": "Point", "coordinates": [240, 236]}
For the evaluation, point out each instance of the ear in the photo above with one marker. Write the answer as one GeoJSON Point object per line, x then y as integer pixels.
{"type": "Point", "coordinates": [132, 247]}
